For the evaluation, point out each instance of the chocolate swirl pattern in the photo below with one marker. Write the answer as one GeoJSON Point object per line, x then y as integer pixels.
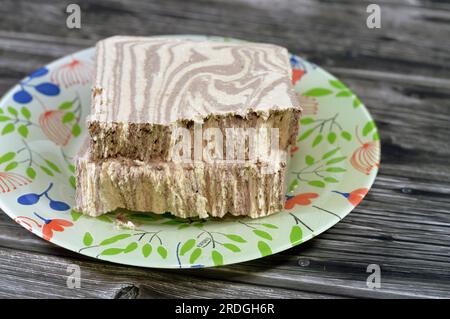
{"type": "Point", "coordinates": [162, 80]}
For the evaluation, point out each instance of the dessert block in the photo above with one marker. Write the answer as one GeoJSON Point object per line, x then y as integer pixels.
{"type": "Point", "coordinates": [148, 90]}
{"type": "Point", "coordinates": [184, 189]}
{"type": "Point", "coordinates": [144, 88]}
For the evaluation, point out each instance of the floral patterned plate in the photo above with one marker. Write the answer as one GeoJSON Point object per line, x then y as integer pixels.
{"type": "Point", "coordinates": [42, 121]}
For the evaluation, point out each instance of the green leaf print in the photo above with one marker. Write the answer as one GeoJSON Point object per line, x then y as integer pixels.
{"type": "Point", "coordinates": [262, 234]}
{"type": "Point", "coordinates": [264, 249]}
{"type": "Point", "coordinates": [12, 111]}
{"type": "Point", "coordinates": [188, 245]}
{"type": "Point", "coordinates": [330, 180]}
{"type": "Point", "coordinates": [8, 128]}
{"type": "Point", "coordinates": [68, 117]}
{"type": "Point", "coordinates": [236, 238]}
{"type": "Point", "coordinates": [337, 84]}
{"type": "Point", "coordinates": [111, 251]}
{"type": "Point", "coordinates": [75, 215]}
{"type": "Point", "coordinates": [309, 160]}
{"type": "Point", "coordinates": [162, 252]}
{"type": "Point", "coordinates": [46, 170]}
{"type": "Point", "coordinates": [317, 92]}
{"type": "Point", "coordinates": [356, 102]}
{"type": "Point", "coordinates": [65, 105]}
{"type": "Point", "coordinates": [305, 134]}
{"type": "Point", "coordinates": [11, 166]}
{"type": "Point", "coordinates": [296, 235]}
{"type": "Point", "coordinates": [53, 166]}
{"type": "Point", "coordinates": [317, 140]}
{"type": "Point", "coordinates": [330, 153]}
{"type": "Point", "coordinates": [73, 181]}
{"type": "Point", "coordinates": [368, 128]}
{"type": "Point", "coordinates": [335, 169]}
{"type": "Point", "coordinates": [306, 120]}
{"type": "Point", "coordinates": [7, 157]}
{"type": "Point", "coordinates": [25, 112]}
{"type": "Point", "coordinates": [317, 184]}
{"type": "Point", "coordinates": [131, 247]}
{"type": "Point", "coordinates": [76, 130]}
{"type": "Point", "coordinates": [114, 239]}
{"type": "Point", "coordinates": [376, 137]}
{"type": "Point", "coordinates": [31, 173]}
{"type": "Point", "coordinates": [4, 118]}
{"type": "Point", "coordinates": [331, 137]}
{"type": "Point", "coordinates": [293, 185]}
{"type": "Point", "coordinates": [346, 135]}
{"type": "Point", "coordinates": [270, 226]}
{"type": "Point", "coordinates": [23, 131]}
{"type": "Point", "coordinates": [336, 160]}
{"type": "Point", "coordinates": [88, 239]}
{"type": "Point", "coordinates": [232, 247]}
{"type": "Point", "coordinates": [195, 255]}
{"type": "Point", "coordinates": [345, 93]}
{"type": "Point", "coordinates": [217, 258]}
{"type": "Point", "coordinates": [147, 250]}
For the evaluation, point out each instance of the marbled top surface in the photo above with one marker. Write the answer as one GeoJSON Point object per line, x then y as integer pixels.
{"type": "Point", "coordinates": [162, 80]}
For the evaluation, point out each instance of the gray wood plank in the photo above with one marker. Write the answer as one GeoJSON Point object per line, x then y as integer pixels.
{"type": "Point", "coordinates": [31, 275]}
{"type": "Point", "coordinates": [411, 32]}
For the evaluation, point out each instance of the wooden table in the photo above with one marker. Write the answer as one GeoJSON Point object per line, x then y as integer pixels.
{"type": "Point", "coordinates": [401, 72]}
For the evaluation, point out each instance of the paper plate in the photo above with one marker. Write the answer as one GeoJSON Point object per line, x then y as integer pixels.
{"type": "Point", "coordinates": [42, 124]}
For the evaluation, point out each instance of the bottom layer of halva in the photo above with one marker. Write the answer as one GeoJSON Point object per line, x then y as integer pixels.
{"type": "Point", "coordinates": [185, 190]}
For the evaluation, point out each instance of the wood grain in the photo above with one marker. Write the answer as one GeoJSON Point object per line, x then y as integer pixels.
{"type": "Point", "coordinates": [31, 275]}
{"type": "Point", "coordinates": [401, 72]}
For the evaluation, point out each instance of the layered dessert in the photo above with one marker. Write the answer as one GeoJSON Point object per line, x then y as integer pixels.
{"type": "Point", "coordinates": [148, 90]}
{"type": "Point", "coordinates": [194, 189]}
{"type": "Point", "coordinates": [144, 87]}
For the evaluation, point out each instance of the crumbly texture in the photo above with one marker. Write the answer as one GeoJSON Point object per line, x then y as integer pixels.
{"type": "Point", "coordinates": [137, 105]}
{"type": "Point", "coordinates": [186, 190]}
{"type": "Point", "coordinates": [145, 141]}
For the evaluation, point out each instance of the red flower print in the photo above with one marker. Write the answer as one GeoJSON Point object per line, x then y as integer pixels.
{"type": "Point", "coordinates": [355, 197]}
{"type": "Point", "coordinates": [72, 73]}
{"type": "Point", "coordinates": [51, 225]}
{"type": "Point", "coordinates": [300, 199]}
{"type": "Point", "coordinates": [297, 74]}
{"type": "Point", "coordinates": [10, 181]}
{"type": "Point", "coordinates": [293, 150]}
{"type": "Point", "coordinates": [27, 222]}
{"type": "Point", "coordinates": [366, 157]}
{"type": "Point", "coordinates": [53, 127]}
